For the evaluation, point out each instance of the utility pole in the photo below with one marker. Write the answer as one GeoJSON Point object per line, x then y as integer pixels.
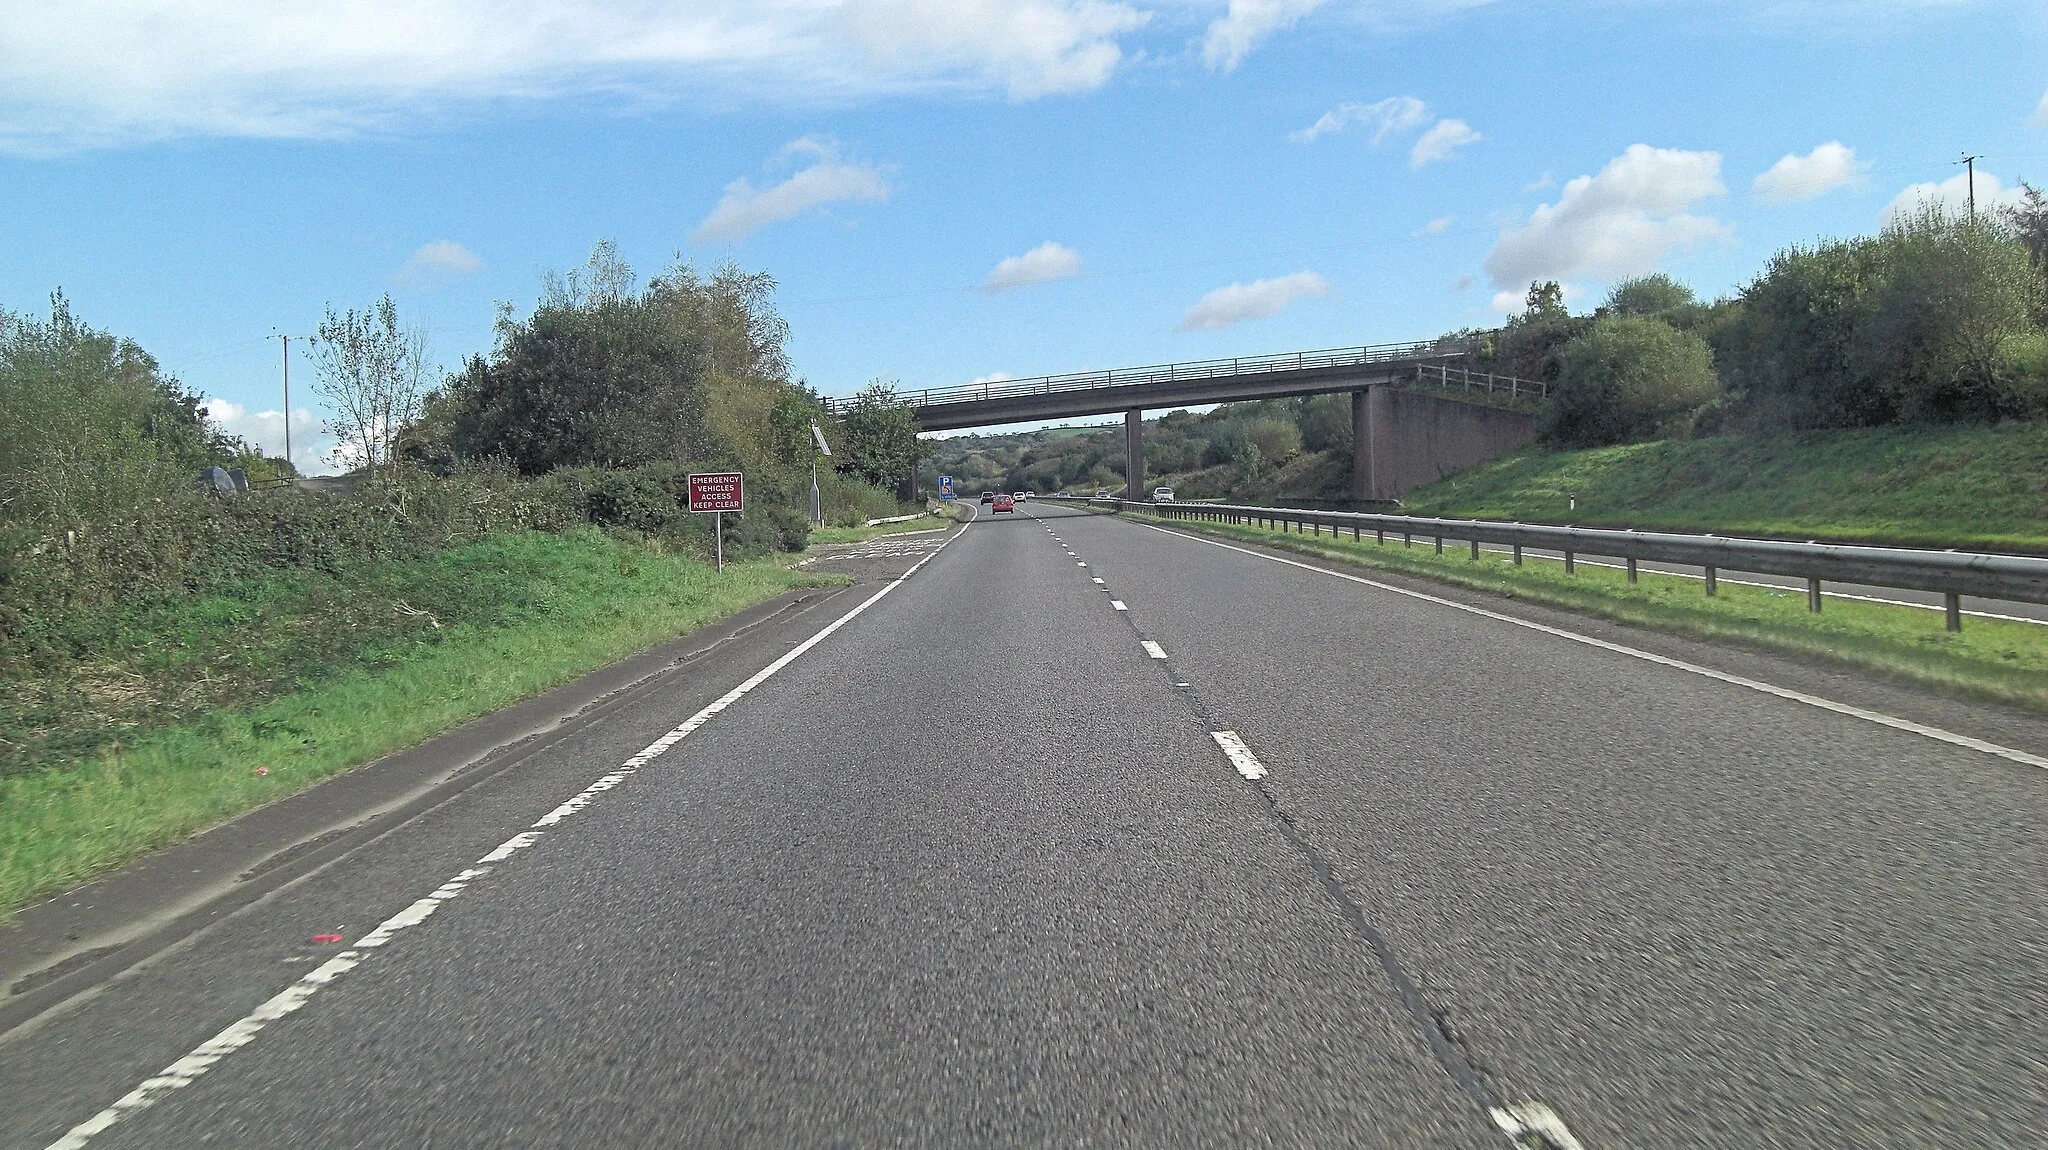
{"type": "Point", "coordinates": [1970, 166]}
{"type": "Point", "coordinates": [287, 362]}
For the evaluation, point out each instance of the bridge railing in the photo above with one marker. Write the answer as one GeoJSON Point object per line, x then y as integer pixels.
{"type": "Point", "coordinates": [1445, 377]}
{"type": "Point", "coordinates": [1195, 370]}
{"type": "Point", "coordinates": [1953, 574]}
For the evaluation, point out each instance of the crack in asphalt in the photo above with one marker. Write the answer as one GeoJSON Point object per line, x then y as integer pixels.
{"type": "Point", "coordinates": [1451, 1048]}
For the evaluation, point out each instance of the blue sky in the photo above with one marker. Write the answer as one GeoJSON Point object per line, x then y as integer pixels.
{"type": "Point", "coordinates": [199, 175]}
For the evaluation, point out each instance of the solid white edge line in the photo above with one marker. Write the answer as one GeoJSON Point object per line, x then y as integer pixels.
{"type": "Point", "coordinates": [1240, 756]}
{"type": "Point", "coordinates": [1152, 649]}
{"type": "Point", "coordinates": [1854, 712]}
{"type": "Point", "coordinates": [186, 1070]}
{"type": "Point", "coordinates": [1518, 1119]}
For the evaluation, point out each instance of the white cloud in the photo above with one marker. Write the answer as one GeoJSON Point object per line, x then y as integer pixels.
{"type": "Point", "coordinates": [1256, 300]}
{"type": "Point", "coordinates": [1239, 30]}
{"type": "Point", "coordinates": [86, 73]}
{"type": "Point", "coordinates": [1622, 221]}
{"type": "Point", "coordinates": [1048, 261]}
{"type": "Point", "coordinates": [1816, 173]}
{"type": "Point", "coordinates": [439, 260]}
{"type": "Point", "coordinates": [1441, 142]}
{"type": "Point", "coordinates": [1544, 184]}
{"type": "Point", "coordinates": [311, 444]}
{"type": "Point", "coordinates": [1464, 283]}
{"type": "Point", "coordinates": [2041, 112]}
{"type": "Point", "coordinates": [991, 377]}
{"type": "Point", "coordinates": [1434, 227]}
{"type": "Point", "coordinates": [1953, 194]}
{"type": "Point", "coordinates": [745, 208]}
{"type": "Point", "coordinates": [1030, 47]}
{"type": "Point", "coordinates": [1386, 117]}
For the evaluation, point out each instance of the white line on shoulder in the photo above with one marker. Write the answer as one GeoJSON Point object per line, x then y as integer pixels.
{"type": "Point", "coordinates": [1854, 712]}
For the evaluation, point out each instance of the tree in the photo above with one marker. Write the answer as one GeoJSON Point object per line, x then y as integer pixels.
{"type": "Point", "coordinates": [880, 434]}
{"type": "Point", "coordinates": [90, 428]}
{"type": "Point", "coordinates": [373, 374]}
{"type": "Point", "coordinates": [1648, 295]}
{"type": "Point", "coordinates": [1248, 460]}
{"type": "Point", "coordinates": [1953, 297]}
{"type": "Point", "coordinates": [1786, 359]}
{"type": "Point", "coordinates": [1625, 380]}
{"type": "Point", "coordinates": [1527, 346]}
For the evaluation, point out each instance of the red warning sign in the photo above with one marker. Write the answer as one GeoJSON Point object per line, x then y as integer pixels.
{"type": "Point", "coordinates": [717, 491]}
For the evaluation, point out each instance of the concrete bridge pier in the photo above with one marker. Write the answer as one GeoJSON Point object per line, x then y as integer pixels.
{"type": "Point", "coordinates": [1402, 439]}
{"type": "Point", "coordinates": [1134, 454]}
{"type": "Point", "coordinates": [1361, 445]}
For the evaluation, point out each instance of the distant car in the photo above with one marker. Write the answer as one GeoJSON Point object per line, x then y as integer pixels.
{"type": "Point", "coordinates": [1061, 495]}
{"type": "Point", "coordinates": [988, 497]}
{"type": "Point", "coordinates": [1004, 503]}
{"type": "Point", "coordinates": [1101, 496]}
{"type": "Point", "coordinates": [1162, 495]}
{"type": "Point", "coordinates": [1022, 496]}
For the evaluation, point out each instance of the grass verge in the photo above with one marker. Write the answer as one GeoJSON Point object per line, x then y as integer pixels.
{"type": "Point", "coordinates": [1990, 658]}
{"type": "Point", "coordinates": [585, 600]}
{"type": "Point", "coordinates": [858, 534]}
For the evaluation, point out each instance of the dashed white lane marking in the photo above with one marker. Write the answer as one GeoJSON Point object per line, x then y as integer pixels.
{"type": "Point", "coordinates": [1117, 605]}
{"type": "Point", "coordinates": [1098, 578]}
{"type": "Point", "coordinates": [1854, 712]}
{"type": "Point", "coordinates": [1240, 756]}
{"type": "Point", "coordinates": [186, 1070]}
{"type": "Point", "coordinates": [1152, 649]}
{"type": "Point", "coordinates": [1080, 565]}
{"type": "Point", "coordinates": [1520, 1120]}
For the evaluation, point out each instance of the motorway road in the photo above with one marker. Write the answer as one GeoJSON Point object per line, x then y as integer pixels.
{"type": "Point", "coordinates": [973, 867]}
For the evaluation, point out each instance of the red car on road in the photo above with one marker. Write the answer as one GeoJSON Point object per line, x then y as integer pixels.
{"type": "Point", "coordinates": [1004, 502]}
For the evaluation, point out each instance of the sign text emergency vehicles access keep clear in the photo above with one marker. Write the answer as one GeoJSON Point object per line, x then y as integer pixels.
{"type": "Point", "coordinates": [717, 491]}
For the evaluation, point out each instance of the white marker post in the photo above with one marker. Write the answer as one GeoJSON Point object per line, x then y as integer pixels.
{"type": "Point", "coordinates": [716, 493]}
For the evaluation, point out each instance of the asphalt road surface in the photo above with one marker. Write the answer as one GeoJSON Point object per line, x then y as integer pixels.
{"type": "Point", "coordinates": [1089, 832]}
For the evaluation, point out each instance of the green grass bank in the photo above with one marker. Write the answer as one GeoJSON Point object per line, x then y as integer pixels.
{"type": "Point", "coordinates": [331, 672]}
{"type": "Point", "coordinates": [1976, 488]}
{"type": "Point", "coordinates": [1990, 658]}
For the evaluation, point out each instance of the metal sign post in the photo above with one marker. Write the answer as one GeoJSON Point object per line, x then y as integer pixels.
{"type": "Point", "coordinates": [716, 493]}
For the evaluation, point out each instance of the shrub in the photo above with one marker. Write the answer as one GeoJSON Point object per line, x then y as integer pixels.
{"type": "Point", "coordinates": [1625, 380]}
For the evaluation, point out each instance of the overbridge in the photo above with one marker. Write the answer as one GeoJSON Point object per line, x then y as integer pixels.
{"type": "Point", "coordinates": [1402, 438]}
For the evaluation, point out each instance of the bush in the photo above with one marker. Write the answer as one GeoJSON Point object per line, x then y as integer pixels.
{"type": "Point", "coordinates": [1625, 380]}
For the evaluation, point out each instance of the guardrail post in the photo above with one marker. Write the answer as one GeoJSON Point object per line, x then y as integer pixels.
{"type": "Point", "coordinates": [1518, 554]}
{"type": "Point", "coordinates": [1379, 536]}
{"type": "Point", "coordinates": [1568, 566]}
{"type": "Point", "coordinates": [1407, 540]}
{"type": "Point", "coordinates": [1475, 549]}
{"type": "Point", "coordinates": [1710, 581]}
{"type": "Point", "coordinates": [1631, 568]}
{"type": "Point", "coordinates": [1813, 594]}
{"type": "Point", "coordinates": [1952, 608]}
{"type": "Point", "coordinates": [1439, 545]}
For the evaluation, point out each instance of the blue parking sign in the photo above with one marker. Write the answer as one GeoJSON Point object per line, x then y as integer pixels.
{"type": "Point", "coordinates": [945, 487]}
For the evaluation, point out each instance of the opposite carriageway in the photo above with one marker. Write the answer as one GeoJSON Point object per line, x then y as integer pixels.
{"type": "Point", "coordinates": [1408, 440]}
{"type": "Point", "coordinates": [1951, 574]}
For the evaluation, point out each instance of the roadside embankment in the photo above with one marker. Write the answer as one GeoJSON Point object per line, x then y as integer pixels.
{"type": "Point", "coordinates": [1974, 488]}
{"type": "Point", "coordinates": [341, 670]}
